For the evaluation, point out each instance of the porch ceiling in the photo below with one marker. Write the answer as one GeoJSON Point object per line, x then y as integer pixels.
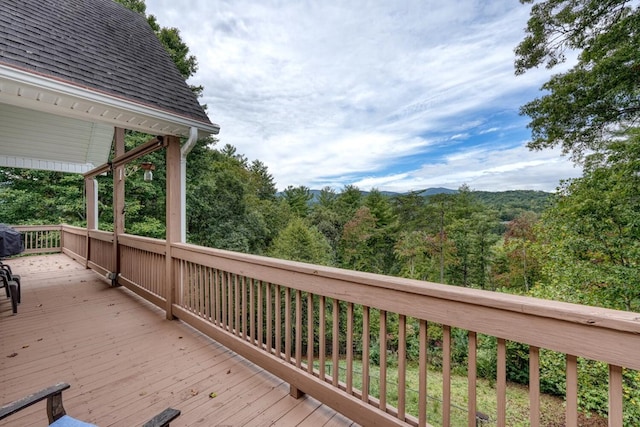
{"type": "Point", "coordinates": [52, 125]}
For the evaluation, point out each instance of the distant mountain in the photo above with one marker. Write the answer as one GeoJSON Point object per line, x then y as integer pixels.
{"type": "Point", "coordinates": [425, 193]}
{"type": "Point", "coordinates": [509, 204]}
{"type": "Point", "coordinates": [437, 190]}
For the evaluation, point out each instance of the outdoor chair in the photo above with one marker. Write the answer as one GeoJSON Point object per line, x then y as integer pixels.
{"type": "Point", "coordinates": [7, 268]}
{"type": "Point", "coordinates": [59, 418]}
{"type": "Point", "coordinates": [11, 285]}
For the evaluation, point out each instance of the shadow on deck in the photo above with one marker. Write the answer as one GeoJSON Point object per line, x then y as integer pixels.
{"type": "Point", "coordinates": [125, 362]}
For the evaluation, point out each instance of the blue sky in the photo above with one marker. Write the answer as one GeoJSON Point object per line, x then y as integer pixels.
{"type": "Point", "coordinates": [395, 95]}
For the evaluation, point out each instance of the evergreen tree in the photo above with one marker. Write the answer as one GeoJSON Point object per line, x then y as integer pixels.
{"type": "Point", "coordinates": [300, 242]}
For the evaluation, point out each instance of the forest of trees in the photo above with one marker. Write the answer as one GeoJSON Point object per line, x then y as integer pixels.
{"type": "Point", "coordinates": [580, 244]}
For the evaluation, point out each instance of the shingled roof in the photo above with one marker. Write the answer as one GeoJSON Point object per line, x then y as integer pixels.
{"type": "Point", "coordinates": [96, 44]}
{"type": "Point", "coordinates": [71, 71]}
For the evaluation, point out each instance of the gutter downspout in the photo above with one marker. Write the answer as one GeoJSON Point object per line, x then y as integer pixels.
{"type": "Point", "coordinates": [184, 152]}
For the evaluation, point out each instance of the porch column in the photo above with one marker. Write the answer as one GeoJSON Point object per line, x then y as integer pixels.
{"type": "Point", "coordinates": [174, 214]}
{"type": "Point", "coordinates": [118, 202]}
{"type": "Point", "coordinates": [91, 191]}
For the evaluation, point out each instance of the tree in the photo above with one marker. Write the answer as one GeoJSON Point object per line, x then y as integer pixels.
{"type": "Point", "coordinates": [232, 203]}
{"type": "Point", "coordinates": [324, 216]}
{"type": "Point", "coordinates": [41, 197]}
{"type": "Point", "coordinates": [348, 202]}
{"type": "Point", "coordinates": [591, 234]}
{"type": "Point", "coordinates": [262, 183]}
{"type": "Point", "coordinates": [583, 107]}
{"type": "Point", "coordinates": [384, 238]}
{"type": "Point", "coordinates": [414, 249]}
{"type": "Point", "coordinates": [518, 239]}
{"type": "Point", "coordinates": [298, 199]}
{"type": "Point", "coordinates": [409, 209]}
{"type": "Point", "coordinates": [356, 251]}
{"type": "Point", "coordinates": [300, 242]}
{"type": "Point", "coordinates": [439, 210]}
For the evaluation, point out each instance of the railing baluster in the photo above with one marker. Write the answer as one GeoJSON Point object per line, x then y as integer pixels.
{"type": "Point", "coordinates": [501, 383]}
{"type": "Point", "coordinates": [230, 304]}
{"type": "Point", "coordinates": [422, 372]}
{"type": "Point", "coordinates": [310, 334]}
{"type": "Point", "coordinates": [471, 378]}
{"type": "Point", "coordinates": [322, 321]}
{"type": "Point", "coordinates": [336, 342]}
{"type": "Point", "coordinates": [534, 386]}
{"type": "Point", "coordinates": [198, 289]}
{"type": "Point", "coordinates": [615, 395]}
{"type": "Point", "coordinates": [446, 375]}
{"type": "Point", "coordinates": [402, 366]}
{"type": "Point", "coordinates": [245, 311]}
{"type": "Point", "coordinates": [571, 417]}
{"type": "Point", "coordinates": [349, 348]}
{"type": "Point", "coordinates": [189, 287]}
{"type": "Point", "coordinates": [237, 308]}
{"type": "Point", "coordinates": [216, 297]}
{"type": "Point", "coordinates": [298, 329]}
{"type": "Point", "coordinates": [252, 311]}
{"type": "Point", "coordinates": [382, 382]}
{"type": "Point", "coordinates": [278, 321]}
{"type": "Point", "coordinates": [200, 278]}
{"type": "Point", "coordinates": [365, 354]}
{"type": "Point", "coordinates": [260, 324]}
{"type": "Point", "coordinates": [223, 299]}
{"type": "Point", "coordinates": [287, 324]}
{"type": "Point", "coordinates": [269, 301]}
{"type": "Point", "coordinates": [210, 291]}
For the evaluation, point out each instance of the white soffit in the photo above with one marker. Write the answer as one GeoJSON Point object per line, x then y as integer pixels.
{"type": "Point", "coordinates": [32, 91]}
{"type": "Point", "coordinates": [39, 140]}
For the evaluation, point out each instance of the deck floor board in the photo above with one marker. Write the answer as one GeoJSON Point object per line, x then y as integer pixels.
{"type": "Point", "coordinates": [125, 362]}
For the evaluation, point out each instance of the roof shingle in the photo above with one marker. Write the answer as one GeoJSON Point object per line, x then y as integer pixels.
{"type": "Point", "coordinates": [95, 44]}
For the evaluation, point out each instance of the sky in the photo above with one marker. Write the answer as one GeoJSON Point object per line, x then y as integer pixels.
{"type": "Point", "coordinates": [394, 95]}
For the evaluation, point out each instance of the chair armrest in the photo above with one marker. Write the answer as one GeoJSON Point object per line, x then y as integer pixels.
{"type": "Point", "coordinates": [53, 395]}
{"type": "Point", "coordinates": [163, 418]}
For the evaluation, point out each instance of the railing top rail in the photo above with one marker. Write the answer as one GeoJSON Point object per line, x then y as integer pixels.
{"type": "Point", "coordinates": [588, 315]}
{"type": "Point", "coordinates": [596, 333]}
{"type": "Point", "coordinates": [37, 227]}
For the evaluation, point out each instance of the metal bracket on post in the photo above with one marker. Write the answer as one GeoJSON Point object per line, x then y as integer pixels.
{"type": "Point", "coordinates": [113, 277]}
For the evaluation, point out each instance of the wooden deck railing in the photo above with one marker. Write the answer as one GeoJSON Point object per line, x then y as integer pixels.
{"type": "Point", "coordinates": [314, 327]}
{"type": "Point", "coordinates": [40, 239]}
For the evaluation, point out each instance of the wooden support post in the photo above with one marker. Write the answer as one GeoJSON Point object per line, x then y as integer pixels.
{"type": "Point", "coordinates": [173, 217]}
{"type": "Point", "coordinates": [295, 392]}
{"type": "Point", "coordinates": [118, 202]}
{"type": "Point", "coordinates": [91, 192]}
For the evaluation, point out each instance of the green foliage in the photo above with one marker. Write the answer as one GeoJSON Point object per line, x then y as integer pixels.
{"type": "Point", "coordinates": [356, 250]}
{"type": "Point", "coordinates": [583, 106]}
{"type": "Point", "coordinates": [298, 199]}
{"type": "Point", "coordinates": [301, 242]}
{"type": "Point", "coordinates": [592, 232]}
{"type": "Point", "coordinates": [520, 265]}
{"type": "Point", "coordinates": [41, 197]}
{"type": "Point", "coordinates": [511, 204]}
{"type": "Point", "coordinates": [231, 204]}
{"type": "Point", "coordinates": [593, 385]}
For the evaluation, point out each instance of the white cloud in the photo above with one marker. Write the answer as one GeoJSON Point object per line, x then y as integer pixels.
{"type": "Point", "coordinates": [347, 92]}
{"type": "Point", "coordinates": [489, 170]}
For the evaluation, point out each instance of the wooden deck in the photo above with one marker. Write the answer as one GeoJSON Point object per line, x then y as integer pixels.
{"type": "Point", "coordinates": [125, 362]}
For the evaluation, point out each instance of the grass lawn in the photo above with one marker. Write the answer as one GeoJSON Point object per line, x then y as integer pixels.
{"type": "Point", "coordinates": [551, 407]}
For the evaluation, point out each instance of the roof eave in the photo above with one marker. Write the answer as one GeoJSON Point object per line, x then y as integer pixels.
{"type": "Point", "coordinates": [27, 89]}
